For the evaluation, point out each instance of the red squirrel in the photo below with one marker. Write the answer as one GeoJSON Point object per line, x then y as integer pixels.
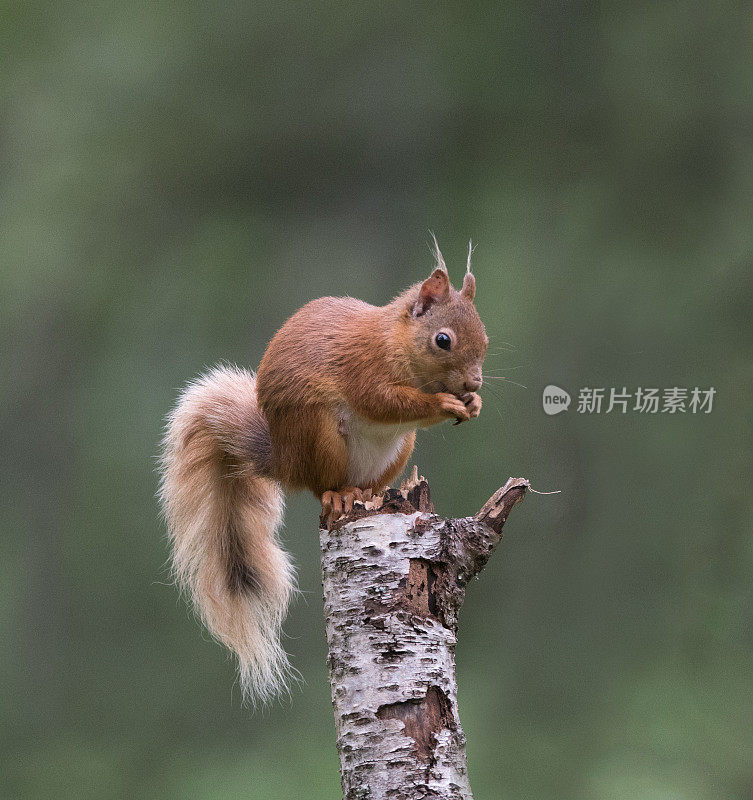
{"type": "Point", "coordinates": [333, 408]}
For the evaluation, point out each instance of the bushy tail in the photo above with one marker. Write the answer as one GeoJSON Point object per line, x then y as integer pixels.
{"type": "Point", "coordinates": [223, 514]}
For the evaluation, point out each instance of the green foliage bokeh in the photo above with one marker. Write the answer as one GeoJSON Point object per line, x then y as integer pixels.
{"type": "Point", "coordinates": [177, 178]}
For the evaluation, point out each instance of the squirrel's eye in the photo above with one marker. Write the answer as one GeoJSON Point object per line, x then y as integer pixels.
{"type": "Point", "coordinates": [443, 341]}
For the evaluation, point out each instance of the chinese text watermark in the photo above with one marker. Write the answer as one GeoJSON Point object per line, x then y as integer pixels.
{"type": "Point", "coordinates": [643, 400]}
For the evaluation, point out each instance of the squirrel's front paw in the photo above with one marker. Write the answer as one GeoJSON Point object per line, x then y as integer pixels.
{"type": "Point", "coordinates": [452, 406]}
{"type": "Point", "coordinates": [472, 404]}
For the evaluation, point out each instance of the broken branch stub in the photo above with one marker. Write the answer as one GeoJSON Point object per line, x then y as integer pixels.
{"type": "Point", "coordinates": [394, 577]}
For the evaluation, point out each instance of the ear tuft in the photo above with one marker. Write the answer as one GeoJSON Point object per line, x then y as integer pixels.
{"type": "Point", "coordinates": [438, 257]}
{"type": "Point", "coordinates": [469, 282]}
{"type": "Point", "coordinates": [434, 289]}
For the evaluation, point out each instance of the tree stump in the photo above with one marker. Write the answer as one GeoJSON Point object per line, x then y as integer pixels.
{"type": "Point", "coordinates": [394, 577]}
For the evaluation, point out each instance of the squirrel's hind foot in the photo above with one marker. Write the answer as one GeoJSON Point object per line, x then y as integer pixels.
{"type": "Point", "coordinates": [336, 504]}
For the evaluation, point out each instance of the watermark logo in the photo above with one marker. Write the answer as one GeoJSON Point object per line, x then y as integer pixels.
{"type": "Point", "coordinates": [555, 400]}
{"type": "Point", "coordinates": [643, 400]}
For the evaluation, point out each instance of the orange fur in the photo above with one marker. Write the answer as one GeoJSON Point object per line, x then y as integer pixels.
{"type": "Point", "coordinates": [336, 402]}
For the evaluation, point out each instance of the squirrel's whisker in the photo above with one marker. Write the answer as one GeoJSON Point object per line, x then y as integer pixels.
{"type": "Point", "coordinates": [507, 380]}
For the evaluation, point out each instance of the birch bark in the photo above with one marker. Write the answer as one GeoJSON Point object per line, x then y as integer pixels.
{"type": "Point", "coordinates": [394, 577]}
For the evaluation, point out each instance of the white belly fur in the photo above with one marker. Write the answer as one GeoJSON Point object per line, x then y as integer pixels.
{"type": "Point", "coordinates": [372, 447]}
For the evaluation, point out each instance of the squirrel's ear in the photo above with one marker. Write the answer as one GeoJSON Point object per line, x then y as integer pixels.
{"type": "Point", "coordinates": [469, 282]}
{"type": "Point", "coordinates": [433, 290]}
{"type": "Point", "coordinates": [469, 286]}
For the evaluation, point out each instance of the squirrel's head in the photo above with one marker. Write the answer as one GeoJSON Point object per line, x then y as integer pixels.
{"type": "Point", "coordinates": [448, 339]}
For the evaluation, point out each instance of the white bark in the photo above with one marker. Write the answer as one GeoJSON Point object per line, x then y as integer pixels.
{"type": "Point", "coordinates": [394, 579]}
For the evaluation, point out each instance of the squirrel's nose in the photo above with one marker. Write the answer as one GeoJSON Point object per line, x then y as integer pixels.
{"type": "Point", "coordinates": [473, 382]}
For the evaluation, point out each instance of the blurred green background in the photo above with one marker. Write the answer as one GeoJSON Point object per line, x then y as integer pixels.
{"type": "Point", "coordinates": [178, 178]}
